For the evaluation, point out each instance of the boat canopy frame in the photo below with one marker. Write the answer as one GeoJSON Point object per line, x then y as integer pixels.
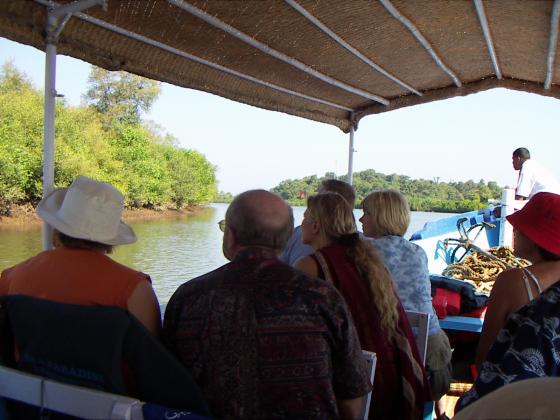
{"type": "Point", "coordinates": [328, 61]}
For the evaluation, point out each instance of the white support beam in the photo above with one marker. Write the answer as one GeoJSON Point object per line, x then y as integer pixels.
{"type": "Point", "coordinates": [182, 54]}
{"type": "Point", "coordinates": [64, 12]}
{"type": "Point", "coordinates": [299, 8]}
{"type": "Point", "coordinates": [55, 32]}
{"type": "Point", "coordinates": [487, 36]}
{"type": "Point", "coordinates": [230, 30]}
{"type": "Point", "coordinates": [77, 6]}
{"type": "Point", "coordinates": [57, 16]}
{"type": "Point", "coordinates": [423, 41]}
{"type": "Point", "coordinates": [48, 133]}
{"type": "Point", "coordinates": [349, 176]}
{"type": "Point", "coordinates": [552, 43]}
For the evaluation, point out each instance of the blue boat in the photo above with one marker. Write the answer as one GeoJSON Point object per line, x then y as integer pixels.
{"type": "Point", "coordinates": [494, 233]}
{"type": "Point", "coordinates": [333, 61]}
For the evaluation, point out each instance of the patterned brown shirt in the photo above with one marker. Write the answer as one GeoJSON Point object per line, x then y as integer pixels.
{"type": "Point", "coordinates": [263, 340]}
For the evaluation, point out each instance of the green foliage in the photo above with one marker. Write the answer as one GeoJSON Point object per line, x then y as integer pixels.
{"type": "Point", "coordinates": [12, 80]}
{"type": "Point", "coordinates": [296, 191]}
{"type": "Point", "coordinates": [120, 96]}
{"type": "Point", "coordinates": [193, 178]}
{"type": "Point", "coordinates": [144, 178]}
{"type": "Point", "coordinates": [81, 146]}
{"type": "Point", "coordinates": [135, 157]}
{"type": "Point", "coordinates": [21, 133]}
{"type": "Point", "coordinates": [422, 194]}
{"type": "Point", "coordinates": [223, 197]}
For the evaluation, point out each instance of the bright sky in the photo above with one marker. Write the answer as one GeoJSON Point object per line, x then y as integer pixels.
{"type": "Point", "coordinates": [456, 139]}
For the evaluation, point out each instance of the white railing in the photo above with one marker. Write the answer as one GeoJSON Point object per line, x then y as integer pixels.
{"type": "Point", "coordinates": [67, 399]}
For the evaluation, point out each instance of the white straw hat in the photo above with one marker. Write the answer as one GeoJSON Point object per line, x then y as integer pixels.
{"type": "Point", "coordinates": [88, 210]}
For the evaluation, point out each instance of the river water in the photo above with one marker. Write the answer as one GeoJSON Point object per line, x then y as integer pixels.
{"type": "Point", "coordinates": [171, 251]}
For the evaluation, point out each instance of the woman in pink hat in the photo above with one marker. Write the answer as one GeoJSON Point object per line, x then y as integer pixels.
{"type": "Point", "coordinates": [537, 239]}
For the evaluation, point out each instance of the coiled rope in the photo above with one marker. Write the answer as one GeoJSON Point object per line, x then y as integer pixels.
{"type": "Point", "coordinates": [481, 271]}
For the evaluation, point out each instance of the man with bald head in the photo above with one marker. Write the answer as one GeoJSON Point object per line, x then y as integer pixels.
{"type": "Point", "coordinates": [262, 339]}
{"type": "Point", "coordinates": [257, 218]}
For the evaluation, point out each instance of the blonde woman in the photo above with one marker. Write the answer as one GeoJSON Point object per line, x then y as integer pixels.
{"type": "Point", "coordinates": [386, 219]}
{"type": "Point", "coordinates": [353, 266]}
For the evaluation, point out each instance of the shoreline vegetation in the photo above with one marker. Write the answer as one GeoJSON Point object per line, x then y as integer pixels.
{"type": "Point", "coordinates": [422, 194]}
{"type": "Point", "coordinates": [23, 217]}
{"type": "Point", "coordinates": [105, 138]}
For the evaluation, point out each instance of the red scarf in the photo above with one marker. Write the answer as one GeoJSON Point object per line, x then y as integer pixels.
{"type": "Point", "coordinates": [400, 384]}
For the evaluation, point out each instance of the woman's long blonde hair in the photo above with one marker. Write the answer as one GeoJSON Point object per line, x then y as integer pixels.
{"type": "Point", "coordinates": [337, 223]}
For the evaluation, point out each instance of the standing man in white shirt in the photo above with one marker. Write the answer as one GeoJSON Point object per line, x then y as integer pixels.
{"type": "Point", "coordinates": [533, 177]}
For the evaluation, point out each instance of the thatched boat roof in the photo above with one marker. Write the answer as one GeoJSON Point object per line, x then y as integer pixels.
{"type": "Point", "coordinates": [326, 60]}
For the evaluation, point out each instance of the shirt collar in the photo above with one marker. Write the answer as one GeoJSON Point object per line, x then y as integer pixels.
{"type": "Point", "coordinates": [256, 253]}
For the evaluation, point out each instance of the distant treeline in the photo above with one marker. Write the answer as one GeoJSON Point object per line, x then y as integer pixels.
{"type": "Point", "coordinates": [223, 197]}
{"type": "Point", "coordinates": [105, 139]}
{"type": "Point", "coordinates": [422, 194]}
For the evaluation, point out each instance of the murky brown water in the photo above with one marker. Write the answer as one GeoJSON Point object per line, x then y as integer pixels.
{"type": "Point", "coordinates": [171, 251]}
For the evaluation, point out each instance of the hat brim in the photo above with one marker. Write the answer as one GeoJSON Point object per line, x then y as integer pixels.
{"type": "Point", "coordinates": [48, 209]}
{"type": "Point", "coordinates": [533, 231]}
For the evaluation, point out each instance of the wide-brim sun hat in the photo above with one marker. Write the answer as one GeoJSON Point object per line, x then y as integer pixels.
{"type": "Point", "coordinates": [87, 209]}
{"type": "Point", "coordinates": [539, 220]}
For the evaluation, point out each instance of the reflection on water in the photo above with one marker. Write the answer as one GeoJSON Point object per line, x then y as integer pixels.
{"type": "Point", "coordinates": [171, 251]}
{"type": "Point", "coordinates": [17, 245]}
{"type": "Point", "coordinates": [174, 251]}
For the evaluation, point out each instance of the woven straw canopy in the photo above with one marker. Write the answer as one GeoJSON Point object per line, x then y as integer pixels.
{"type": "Point", "coordinates": [326, 60]}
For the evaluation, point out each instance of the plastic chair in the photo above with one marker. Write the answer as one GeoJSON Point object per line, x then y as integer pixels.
{"type": "Point", "coordinates": [419, 322]}
{"type": "Point", "coordinates": [371, 360]}
{"type": "Point", "coordinates": [67, 399]}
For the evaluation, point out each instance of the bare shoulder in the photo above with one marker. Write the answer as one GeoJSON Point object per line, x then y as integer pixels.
{"type": "Point", "coordinates": [307, 265]}
{"type": "Point", "coordinates": [510, 278]}
{"type": "Point", "coordinates": [508, 294]}
{"type": "Point", "coordinates": [509, 285]}
{"type": "Point", "coordinates": [547, 273]}
{"type": "Point", "coordinates": [143, 304]}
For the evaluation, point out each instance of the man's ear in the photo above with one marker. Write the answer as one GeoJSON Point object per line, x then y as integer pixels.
{"type": "Point", "coordinates": [229, 244]}
{"type": "Point", "coordinates": [231, 235]}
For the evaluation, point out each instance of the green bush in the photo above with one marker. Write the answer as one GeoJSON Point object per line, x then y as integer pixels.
{"type": "Point", "coordinates": [422, 194]}
{"type": "Point", "coordinates": [140, 162]}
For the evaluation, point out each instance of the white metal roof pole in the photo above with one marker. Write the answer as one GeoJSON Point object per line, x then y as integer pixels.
{"type": "Point", "coordinates": [48, 120]}
{"type": "Point", "coordinates": [298, 7]}
{"type": "Point", "coordinates": [350, 155]}
{"type": "Point", "coordinates": [230, 30]}
{"type": "Point", "coordinates": [487, 36]}
{"type": "Point", "coordinates": [552, 42]}
{"type": "Point", "coordinates": [175, 51]}
{"type": "Point", "coordinates": [421, 38]}
{"type": "Point", "coordinates": [56, 19]}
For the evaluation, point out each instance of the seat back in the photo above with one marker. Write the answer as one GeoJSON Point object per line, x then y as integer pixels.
{"type": "Point", "coordinates": [66, 399]}
{"type": "Point", "coordinates": [419, 322]}
{"type": "Point", "coordinates": [84, 346]}
{"type": "Point", "coordinates": [371, 360]}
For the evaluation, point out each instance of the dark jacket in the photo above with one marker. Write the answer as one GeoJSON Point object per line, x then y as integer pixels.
{"type": "Point", "coordinates": [91, 346]}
